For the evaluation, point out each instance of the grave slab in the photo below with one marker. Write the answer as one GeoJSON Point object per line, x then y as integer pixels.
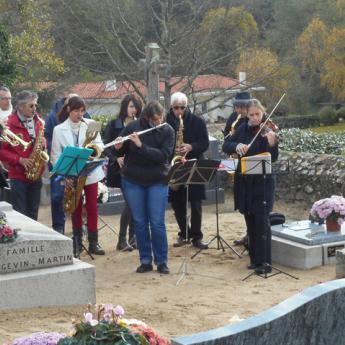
{"type": "Point", "coordinates": [304, 245]}
{"type": "Point", "coordinates": [37, 246]}
{"type": "Point", "coordinates": [38, 268]}
{"type": "Point", "coordinates": [340, 266]}
{"type": "Point", "coordinates": [53, 286]}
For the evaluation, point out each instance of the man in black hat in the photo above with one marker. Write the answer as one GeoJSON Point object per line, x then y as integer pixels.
{"type": "Point", "coordinates": [240, 113]}
{"type": "Point", "coordinates": [234, 121]}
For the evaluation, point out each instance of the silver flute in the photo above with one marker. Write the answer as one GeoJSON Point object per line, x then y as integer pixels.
{"type": "Point", "coordinates": [123, 139]}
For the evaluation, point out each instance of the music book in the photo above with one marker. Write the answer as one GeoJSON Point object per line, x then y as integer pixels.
{"type": "Point", "coordinates": [71, 161]}
{"type": "Point", "coordinates": [257, 164]}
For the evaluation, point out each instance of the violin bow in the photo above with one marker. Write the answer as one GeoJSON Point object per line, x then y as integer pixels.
{"type": "Point", "coordinates": [264, 123]}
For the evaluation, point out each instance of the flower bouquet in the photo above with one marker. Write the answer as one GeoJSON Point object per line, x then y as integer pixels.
{"type": "Point", "coordinates": [7, 234]}
{"type": "Point", "coordinates": [102, 193]}
{"type": "Point", "coordinates": [103, 327]}
{"type": "Point", "coordinates": [331, 210]}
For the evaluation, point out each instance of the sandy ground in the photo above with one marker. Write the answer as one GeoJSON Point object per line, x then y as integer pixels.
{"type": "Point", "coordinates": [209, 295]}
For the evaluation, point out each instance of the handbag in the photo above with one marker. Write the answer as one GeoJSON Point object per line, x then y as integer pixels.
{"type": "Point", "coordinates": [276, 218]}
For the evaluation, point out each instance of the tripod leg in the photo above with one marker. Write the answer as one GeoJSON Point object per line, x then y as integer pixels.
{"type": "Point", "coordinates": [87, 252]}
{"type": "Point", "coordinates": [230, 247]}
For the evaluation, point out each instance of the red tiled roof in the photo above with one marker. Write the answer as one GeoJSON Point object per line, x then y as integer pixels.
{"type": "Point", "coordinates": [96, 90]}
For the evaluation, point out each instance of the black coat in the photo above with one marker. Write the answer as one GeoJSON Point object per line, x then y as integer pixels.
{"type": "Point", "coordinates": [194, 133]}
{"type": "Point", "coordinates": [249, 189]}
{"type": "Point", "coordinates": [150, 163]}
{"type": "Point", "coordinates": [112, 131]}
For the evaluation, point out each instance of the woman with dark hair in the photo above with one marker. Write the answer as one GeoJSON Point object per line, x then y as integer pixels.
{"type": "Point", "coordinates": [252, 198]}
{"type": "Point", "coordinates": [130, 109]}
{"type": "Point", "coordinates": [71, 132]}
{"type": "Point", "coordinates": [144, 175]}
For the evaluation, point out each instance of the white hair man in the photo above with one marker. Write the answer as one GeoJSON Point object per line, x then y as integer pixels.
{"type": "Point", "coordinates": [195, 143]}
{"type": "Point", "coordinates": [25, 122]}
{"type": "Point", "coordinates": [5, 103]}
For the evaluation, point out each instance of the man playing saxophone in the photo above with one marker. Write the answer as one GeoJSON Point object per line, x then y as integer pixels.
{"type": "Point", "coordinates": [26, 124]}
{"type": "Point", "coordinates": [195, 143]}
{"type": "Point", "coordinates": [239, 115]}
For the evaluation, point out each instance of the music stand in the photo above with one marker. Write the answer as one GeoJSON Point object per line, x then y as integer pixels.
{"type": "Point", "coordinates": [186, 173]}
{"type": "Point", "coordinates": [229, 165]}
{"type": "Point", "coordinates": [261, 165]}
{"type": "Point", "coordinates": [73, 163]}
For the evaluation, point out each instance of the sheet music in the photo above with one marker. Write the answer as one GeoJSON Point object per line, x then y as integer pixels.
{"type": "Point", "coordinates": [228, 164]}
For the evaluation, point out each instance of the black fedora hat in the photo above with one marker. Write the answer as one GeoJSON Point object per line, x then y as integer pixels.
{"type": "Point", "coordinates": [242, 98]}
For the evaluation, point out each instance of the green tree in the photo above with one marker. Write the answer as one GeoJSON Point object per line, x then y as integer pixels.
{"type": "Point", "coordinates": [32, 44]}
{"type": "Point", "coordinates": [8, 71]}
{"type": "Point", "coordinates": [227, 30]}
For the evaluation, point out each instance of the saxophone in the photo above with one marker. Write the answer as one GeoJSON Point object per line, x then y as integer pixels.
{"type": "Point", "coordinates": [73, 193]}
{"type": "Point", "coordinates": [178, 143]}
{"type": "Point", "coordinates": [38, 156]}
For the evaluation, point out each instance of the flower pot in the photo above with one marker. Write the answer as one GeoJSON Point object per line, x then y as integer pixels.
{"type": "Point", "coordinates": [332, 225]}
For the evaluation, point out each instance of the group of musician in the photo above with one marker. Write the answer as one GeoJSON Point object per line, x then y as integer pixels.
{"type": "Point", "coordinates": [139, 166]}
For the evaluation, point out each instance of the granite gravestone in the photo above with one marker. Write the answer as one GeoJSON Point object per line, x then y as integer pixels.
{"type": "Point", "coordinates": [38, 268]}
{"type": "Point", "coordinates": [303, 244]}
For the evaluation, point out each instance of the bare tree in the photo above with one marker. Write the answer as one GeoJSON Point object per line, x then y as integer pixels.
{"type": "Point", "coordinates": [107, 38]}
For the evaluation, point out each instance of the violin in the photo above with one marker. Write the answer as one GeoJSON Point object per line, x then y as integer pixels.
{"type": "Point", "coordinates": [265, 127]}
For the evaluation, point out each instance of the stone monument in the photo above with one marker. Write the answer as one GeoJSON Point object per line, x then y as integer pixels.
{"type": "Point", "coordinates": [38, 268]}
{"type": "Point", "coordinates": [304, 245]}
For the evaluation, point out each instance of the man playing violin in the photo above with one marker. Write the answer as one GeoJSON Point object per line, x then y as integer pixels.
{"type": "Point", "coordinates": [249, 190]}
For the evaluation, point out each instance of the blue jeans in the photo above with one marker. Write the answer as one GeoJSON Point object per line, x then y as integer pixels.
{"type": "Point", "coordinates": [56, 199]}
{"type": "Point", "coordinates": [26, 196]}
{"type": "Point", "coordinates": [148, 204]}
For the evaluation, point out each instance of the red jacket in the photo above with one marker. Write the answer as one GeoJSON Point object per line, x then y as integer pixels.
{"type": "Point", "coordinates": [10, 155]}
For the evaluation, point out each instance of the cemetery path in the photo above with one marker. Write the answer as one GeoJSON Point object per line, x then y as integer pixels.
{"type": "Point", "coordinates": [208, 297]}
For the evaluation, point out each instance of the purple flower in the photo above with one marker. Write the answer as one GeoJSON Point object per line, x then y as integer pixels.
{"type": "Point", "coordinates": [329, 208]}
{"type": "Point", "coordinates": [89, 319]}
{"type": "Point", "coordinates": [40, 338]}
{"type": "Point", "coordinates": [119, 311]}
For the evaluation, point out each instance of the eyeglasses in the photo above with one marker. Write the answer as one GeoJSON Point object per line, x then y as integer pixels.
{"type": "Point", "coordinates": [177, 107]}
{"type": "Point", "coordinates": [8, 98]}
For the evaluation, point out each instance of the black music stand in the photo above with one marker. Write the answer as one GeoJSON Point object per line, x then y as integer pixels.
{"type": "Point", "coordinates": [198, 172]}
{"type": "Point", "coordinates": [73, 163]}
{"type": "Point", "coordinates": [221, 242]}
{"type": "Point", "coordinates": [261, 165]}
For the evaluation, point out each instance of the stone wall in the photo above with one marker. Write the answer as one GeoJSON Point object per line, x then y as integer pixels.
{"type": "Point", "coordinates": [309, 177]}
{"type": "Point", "coordinates": [303, 176]}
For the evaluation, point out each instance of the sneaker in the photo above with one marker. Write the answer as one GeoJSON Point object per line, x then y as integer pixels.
{"type": "Point", "coordinates": [181, 242]}
{"type": "Point", "coordinates": [163, 269]}
{"type": "Point", "coordinates": [200, 244]}
{"type": "Point", "coordinates": [143, 268]}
